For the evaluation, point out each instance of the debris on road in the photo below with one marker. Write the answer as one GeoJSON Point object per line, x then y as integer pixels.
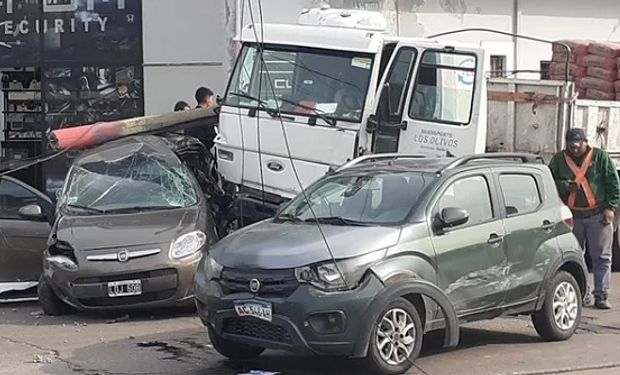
{"type": "Point", "coordinates": [38, 358]}
{"type": "Point", "coordinates": [119, 319]}
{"type": "Point", "coordinates": [259, 372]}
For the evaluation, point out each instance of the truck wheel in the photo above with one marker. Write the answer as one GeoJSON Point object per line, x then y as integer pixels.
{"type": "Point", "coordinates": [49, 301]}
{"type": "Point", "coordinates": [233, 350]}
{"type": "Point", "coordinates": [395, 339]}
{"type": "Point", "coordinates": [561, 313]}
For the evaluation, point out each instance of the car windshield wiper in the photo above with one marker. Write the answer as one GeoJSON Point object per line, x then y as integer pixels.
{"type": "Point", "coordinates": [317, 112]}
{"type": "Point", "coordinates": [90, 210]}
{"type": "Point", "coordinates": [261, 103]}
{"type": "Point", "coordinates": [336, 220]}
{"type": "Point", "coordinates": [289, 217]}
{"type": "Point", "coordinates": [139, 209]}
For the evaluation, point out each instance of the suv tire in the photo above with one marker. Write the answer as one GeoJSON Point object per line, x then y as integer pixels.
{"type": "Point", "coordinates": [233, 350]}
{"type": "Point", "coordinates": [49, 301]}
{"type": "Point", "coordinates": [409, 328]}
{"type": "Point", "coordinates": [563, 290]}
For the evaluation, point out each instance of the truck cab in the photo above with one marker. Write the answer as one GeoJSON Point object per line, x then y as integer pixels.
{"type": "Point", "coordinates": [309, 97]}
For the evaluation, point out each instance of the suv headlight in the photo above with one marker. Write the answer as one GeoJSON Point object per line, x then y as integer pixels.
{"type": "Point", "coordinates": [342, 275]}
{"type": "Point", "coordinates": [187, 244]}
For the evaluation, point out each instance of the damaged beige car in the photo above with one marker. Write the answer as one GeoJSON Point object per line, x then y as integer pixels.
{"type": "Point", "coordinates": [131, 225]}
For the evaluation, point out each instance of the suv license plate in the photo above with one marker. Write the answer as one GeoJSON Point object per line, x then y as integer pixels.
{"type": "Point", "coordinates": [256, 309]}
{"type": "Point", "coordinates": [125, 288]}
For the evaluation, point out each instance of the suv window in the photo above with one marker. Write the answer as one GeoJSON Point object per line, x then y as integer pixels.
{"type": "Point", "coordinates": [521, 195]}
{"type": "Point", "coordinates": [12, 198]}
{"type": "Point", "coordinates": [471, 194]}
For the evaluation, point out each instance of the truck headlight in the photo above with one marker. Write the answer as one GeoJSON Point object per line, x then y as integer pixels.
{"type": "Point", "coordinates": [187, 244]}
{"type": "Point", "coordinates": [345, 274]}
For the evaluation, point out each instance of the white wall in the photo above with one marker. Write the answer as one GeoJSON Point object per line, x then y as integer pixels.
{"type": "Point", "coordinates": [548, 19]}
{"type": "Point", "coordinates": [184, 48]}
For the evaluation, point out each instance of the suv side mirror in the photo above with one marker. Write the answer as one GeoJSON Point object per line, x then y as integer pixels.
{"type": "Point", "coordinates": [32, 212]}
{"type": "Point", "coordinates": [451, 217]}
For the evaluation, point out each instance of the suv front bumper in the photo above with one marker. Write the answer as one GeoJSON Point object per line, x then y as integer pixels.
{"type": "Point", "coordinates": [296, 319]}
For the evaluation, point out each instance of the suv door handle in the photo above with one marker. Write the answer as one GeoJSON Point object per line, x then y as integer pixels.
{"type": "Point", "coordinates": [495, 239]}
{"type": "Point", "coordinates": [547, 225]}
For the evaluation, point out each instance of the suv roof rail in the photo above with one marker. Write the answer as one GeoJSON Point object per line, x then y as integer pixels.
{"type": "Point", "coordinates": [523, 157]}
{"type": "Point", "coordinates": [376, 157]}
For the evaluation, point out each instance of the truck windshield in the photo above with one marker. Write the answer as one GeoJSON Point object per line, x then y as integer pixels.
{"type": "Point", "coordinates": [136, 182]}
{"type": "Point", "coordinates": [305, 81]}
{"type": "Point", "coordinates": [381, 199]}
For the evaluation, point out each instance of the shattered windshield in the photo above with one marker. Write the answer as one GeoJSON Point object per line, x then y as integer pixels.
{"type": "Point", "coordinates": [305, 81]}
{"type": "Point", "coordinates": [382, 198]}
{"type": "Point", "coordinates": [136, 182]}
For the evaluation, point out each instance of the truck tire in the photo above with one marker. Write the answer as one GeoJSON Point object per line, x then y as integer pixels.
{"type": "Point", "coordinates": [49, 301]}
{"type": "Point", "coordinates": [398, 323]}
{"type": "Point", "coordinates": [557, 324]}
{"type": "Point", "coordinates": [233, 350]}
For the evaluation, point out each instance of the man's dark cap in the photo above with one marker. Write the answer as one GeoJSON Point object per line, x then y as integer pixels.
{"type": "Point", "coordinates": [575, 136]}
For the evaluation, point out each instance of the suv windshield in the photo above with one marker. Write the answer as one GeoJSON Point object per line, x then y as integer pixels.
{"type": "Point", "coordinates": [134, 183]}
{"type": "Point", "coordinates": [306, 81]}
{"type": "Point", "coordinates": [380, 198]}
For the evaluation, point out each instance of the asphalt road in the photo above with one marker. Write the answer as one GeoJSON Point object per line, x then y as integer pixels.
{"type": "Point", "coordinates": [174, 342]}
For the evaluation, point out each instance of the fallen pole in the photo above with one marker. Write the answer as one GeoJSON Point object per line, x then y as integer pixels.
{"type": "Point", "coordinates": [86, 136]}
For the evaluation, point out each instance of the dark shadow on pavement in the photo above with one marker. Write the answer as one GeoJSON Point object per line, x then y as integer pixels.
{"type": "Point", "coordinates": [189, 352]}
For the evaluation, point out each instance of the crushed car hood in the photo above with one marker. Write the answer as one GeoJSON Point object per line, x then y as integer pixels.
{"type": "Point", "coordinates": [109, 231]}
{"type": "Point", "coordinates": [269, 245]}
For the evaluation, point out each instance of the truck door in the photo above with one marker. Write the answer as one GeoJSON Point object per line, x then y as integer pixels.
{"type": "Point", "coordinates": [432, 101]}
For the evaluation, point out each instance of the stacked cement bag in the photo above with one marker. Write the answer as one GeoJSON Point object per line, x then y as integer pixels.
{"type": "Point", "coordinates": [576, 68]}
{"type": "Point", "coordinates": [601, 71]}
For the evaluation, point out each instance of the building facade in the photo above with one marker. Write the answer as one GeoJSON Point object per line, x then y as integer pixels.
{"type": "Point", "coordinates": [68, 62]}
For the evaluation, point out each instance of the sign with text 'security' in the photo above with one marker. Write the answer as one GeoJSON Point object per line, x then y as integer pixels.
{"type": "Point", "coordinates": [71, 31]}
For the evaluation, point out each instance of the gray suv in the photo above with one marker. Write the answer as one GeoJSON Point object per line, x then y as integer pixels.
{"type": "Point", "coordinates": [403, 245]}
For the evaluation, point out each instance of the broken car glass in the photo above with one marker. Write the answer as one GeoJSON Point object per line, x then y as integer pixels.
{"type": "Point", "coordinates": [137, 180]}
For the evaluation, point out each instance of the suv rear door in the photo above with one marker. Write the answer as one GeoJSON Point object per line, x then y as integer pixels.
{"type": "Point", "coordinates": [530, 223]}
{"type": "Point", "coordinates": [470, 258]}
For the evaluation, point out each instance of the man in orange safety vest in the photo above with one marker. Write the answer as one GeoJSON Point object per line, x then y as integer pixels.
{"type": "Point", "coordinates": [587, 181]}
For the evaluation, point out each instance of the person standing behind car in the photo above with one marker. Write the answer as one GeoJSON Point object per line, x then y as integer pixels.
{"type": "Point", "coordinates": [587, 181]}
{"type": "Point", "coordinates": [181, 106]}
{"type": "Point", "coordinates": [205, 133]}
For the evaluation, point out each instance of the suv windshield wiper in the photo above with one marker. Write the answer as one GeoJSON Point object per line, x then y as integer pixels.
{"type": "Point", "coordinates": [261, 103]}
{"type": "Point", "coordinates": [90, 210]}
{"type": "Point", "coordinates": [289, 217]}
{"type": "Point", "coordinates": [336, 220]}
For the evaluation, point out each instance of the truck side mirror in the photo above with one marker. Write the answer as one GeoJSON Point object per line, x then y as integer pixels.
{"type": "Point", "coordinates": [372, 124]}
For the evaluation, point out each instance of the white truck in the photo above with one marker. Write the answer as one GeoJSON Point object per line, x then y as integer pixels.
{"type": "Point", "coordinates": [309, 97]}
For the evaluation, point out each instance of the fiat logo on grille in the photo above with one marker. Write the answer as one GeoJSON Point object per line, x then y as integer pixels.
{"type": "Point", "coordinates": [254, 285]}
{"type": "Point", "coordinates": [122, 256]}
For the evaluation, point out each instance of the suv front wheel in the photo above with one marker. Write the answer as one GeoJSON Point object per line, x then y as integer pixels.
{"type": "Point", "coordinates": [561, 313]}
{"type": "Point", "coordinates": [396, 338]}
